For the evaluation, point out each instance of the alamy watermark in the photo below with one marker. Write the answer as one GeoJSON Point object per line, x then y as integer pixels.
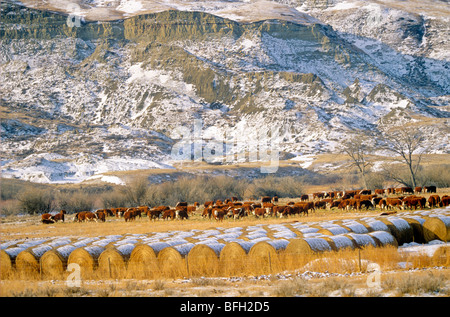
{"type": "Point", "coordinates": [241, 144]}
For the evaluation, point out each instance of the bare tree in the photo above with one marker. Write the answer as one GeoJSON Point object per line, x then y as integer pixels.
{"type": "Point", "coordinates": [135, 191]}
{"type": "Point", "coordinates": [358, 147]}
{"type": "Point", "coordinates": [409, 144]}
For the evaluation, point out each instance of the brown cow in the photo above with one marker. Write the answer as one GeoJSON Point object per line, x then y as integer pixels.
{"type": "Point", "coordinates": [59, 216]}
{"type": "Point", "coordinates": [304, 197]}
{"type": "Point", "coordinates": [259, 212]}
{"type": "Point", "coordinates": [434, 201]}
{"type": "Point", "coordinates": [47, 218]}
{"type": "Point", "coordinates": [101, 215]}
{"type": "Point", "coordinates": [181, 213]}
{"type": "Point", "coordinates": [379, 191]}
{"type": "Point", "coordinates": [445, 201]}
{"type": "Point", "coordinates": [363, 203]}
{"type": "Point", "coordinates": [155, 213]}
{"type": "Point", "coordinates": [219, 214]}
{"type": "Point", "coordinates": [417, 190]}
{"type": "Point", "coordinates": [414, 202]}
{"type": "Point", "coordinates": [168, 214]}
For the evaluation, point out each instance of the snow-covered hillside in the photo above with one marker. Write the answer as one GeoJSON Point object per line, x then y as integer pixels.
{"type": "Point", "coordinates": [139, 81]}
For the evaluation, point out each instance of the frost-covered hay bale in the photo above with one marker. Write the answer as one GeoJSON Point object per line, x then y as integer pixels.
{"type": "Point", "coordinates": [6, 264]}
{"type": "Point", "coordinates": [416, 224]}
{"type": "Point", "coordinates": [400, 229]}
{"type": "Point", "coordinates": [27, 261]}
{"type": "Point", "coordinates": [361, 240]}
{"type": "Point", "coordinates": [171, 263]}
{"type": "Point", "coordinates": [143, 261]}
{"type": "Point", "coordinates": [54, 262]}
{"type": "Point", "coordinates": [333, 230]}
{"type": "Point", "coordinates": [233, 257]}
{"type": "Point", "coordinates": [299, 249]}
{"type": "Point", "coordinates": [203, 259]}
{"type": "Point", "coordinates": [383, 238]}
{"type": "Point", "coordinates": [354, 226]}
{"type": "Point", "coordinates": [437, 227]}
{"type": "Point", "coordinates": [375, 225]}
{"type": "Point", "coordinates": [113, 261]}
{"type": "Point", "coordinates": [86, 258]}
{"type": "Point", "coordinates": [339, 242]}
{"type": "Point", "coordinates": [263, 258]}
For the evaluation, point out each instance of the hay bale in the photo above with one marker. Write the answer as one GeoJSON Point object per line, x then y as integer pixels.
{"type": "Point", "coordinates": [375, 225]}
{"type": "Point", "coordinates": [54, 262]}
{"type": "Point", "coordinates": [27, 261]}
{"type": "Point", "coordinates": [333, 230]}
{"type": "Point", "coordinates": [171, 263]}
{"type": "Point", "coordinates": [400, 229]}
{"type": "Point", "coordinates": [416, 224]}
{"type": "Point", "coordinates": [6, 264]}
{"type": "Point", "coordinates": [441, 256]}
{"type": "Point", "coordinates": [355, 227]}
{"type": "Point", "coordinates": [233, 258]}
{"type": "Point", "coordinates": [203, 259]}
{"type": "Point", "coordinates": [361, 240]}
{"type": "Point", "coordinates": [339, 242]}
{"type": "Point", "coordinates": [86, 258]}
{"type": "Point", "coordinates": [383, 238]}
{"type": "Point", "coordinates": [143, 261]}
{"type": "Point", "coordinates": [437, 228]}
{"type": "Point", "coordinates": [263, 259]}
{"type": "Point", "coordinates": [113, 261]}
{"type": "Point", "coordinates": [299, 249]}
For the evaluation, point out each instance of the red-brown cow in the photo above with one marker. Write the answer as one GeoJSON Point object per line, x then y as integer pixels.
{"type": "Point", "coordinates": [434, 201]}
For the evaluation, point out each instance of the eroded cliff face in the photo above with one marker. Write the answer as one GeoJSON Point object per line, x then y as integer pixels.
{"type": "Point", "coordinates": [118, 89]}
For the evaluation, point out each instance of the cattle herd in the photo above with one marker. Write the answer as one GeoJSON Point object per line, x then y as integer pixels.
{"type": "Point", "coordinates": [388, 200]}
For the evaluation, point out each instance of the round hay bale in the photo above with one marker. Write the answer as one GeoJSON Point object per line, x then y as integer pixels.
{"type": "Point", "coordinates": [233, 258]}
{"type": "Point", "coordinates": [354, 226]}
{"type": "Point", "coordinates": [375, 225]}
{"type": "Point", "coordinates": [299, 249]}
{"type": "Point", "coordinates": [203, 259]}
{"type": "Point", "coordinates": [417, 227]}
{"type": "Point", "coordinates": [54, 262]}
{"type": "Point", "coordinates": [27, 261]}
{"type": "Point", "coordinates": [113, 261]}
{"type": "Point", "coordinates": [332, 231]}
{"type": "Point", "coordinates": [86, 258]}
{"type": "Point", "coordinates": [339, 242]}
{"type": "Point", "coordinates": [361, 240]}
{"type": "Point", "coordinates": [399, 228]}
{"type": "Point", "coordinates": [171, 263]}
{"type": "Point", "coordinates": [383, 238]}
{"type": "Point", "coordinates": [6, 264]}
{"type": "Point", "coordinates": [263, 259]}
{"type": "Point", "coordinates": [143, 262]}
{"type": "Point", "coordinates": [437, 228]}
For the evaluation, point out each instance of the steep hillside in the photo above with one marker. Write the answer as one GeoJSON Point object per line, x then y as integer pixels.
{"type": "Point", "coordinates": [119, 94]}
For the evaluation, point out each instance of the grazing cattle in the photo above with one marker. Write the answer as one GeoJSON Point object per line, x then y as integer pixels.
{"type": "Point", "coordinates": [155, 213]}
{"type": "Point", "coordinates": [168, 214]}
{"type": "Point", "coordinates": [208, 203]}
{"type": "Point", "coordinates": [382, 204]}
{"type": "Point", "coordinates": [59, 216]}
{"type": "Point", "coordinates": [85, 216]}
{"type": "Point", "coordinates": [191, 210]}
{"type": "Point", "coordinates": [266, 199]}
{"type": "Point", "coordinates": [363, 203]}
{"type": "Point", "coordinates": [275, 199]}
{"type": "Point", "coordinates": [236, 213]}
{"type": "Point", "coordinates": [390, 191]}
{"type": "Point", "coordinates": [304, 197]}
{"type": "Point", "coordinates": [393, 203]}
{"type": "Point", "coordinates": [47, 218]}
{"type": "Point", "coordinates": [418, 190]}
{"type": "Point", "coordinates": [445, 201]}
{"type": "Point", "coordinates": [434, 201]}
{"type": "Point", "coordinates": [207, 212]}
{"type": "Point", "coordinates": [286, 211]}
{"type": "Point", "coordinates": [414, 202]}
{"type": "Point", "coordinates": [101, 215]}
{"type": "Point", "coordinates": [404, 190]}
{"type": "Point", "coordinates": [129, 215]}
{"type": "Point", "coordinates": [259, 212]}
{"type": "Point", "coordinates": [429, 189]}
{"type": "Point", "coordinates": [365, 192]}
{"type": "Point", "coordinates": [300, 208]}
{"type": "Point", "coordinates": [334, 203]}
{"type": "Point", "coordinates": [219, 214]}
{"type": "Point", "coordinates": [181, 213]}
{"type": "Point", "coordinates": [318, 195]}
{"type": "Point", "coordinates": [379, 191]}
{"type": "Point", "coordinates": [321, 204]}
{"type": "Point", "coordinates": [306, 206]}
{"type": "Point", "coordinates": [181, 204]}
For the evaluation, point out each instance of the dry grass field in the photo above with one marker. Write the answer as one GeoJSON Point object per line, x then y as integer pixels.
{"type": "Point", "coordinates": [345, 272]}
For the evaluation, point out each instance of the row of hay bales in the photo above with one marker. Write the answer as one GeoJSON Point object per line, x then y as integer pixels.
{"type": "Point", "coordinates": [259, 249]}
